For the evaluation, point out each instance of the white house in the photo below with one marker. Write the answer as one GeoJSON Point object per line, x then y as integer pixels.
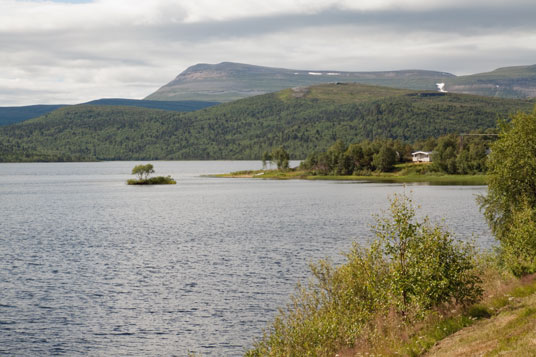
{"type": "Point", "coordinates": [421, 156]}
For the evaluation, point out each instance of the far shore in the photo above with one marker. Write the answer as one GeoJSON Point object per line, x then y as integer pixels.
{"type": "Point", "coordinates": [295, 174]}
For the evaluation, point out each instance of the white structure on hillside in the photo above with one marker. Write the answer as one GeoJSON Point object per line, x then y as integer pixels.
{"type": "Point", "coordinates": [421, 156]}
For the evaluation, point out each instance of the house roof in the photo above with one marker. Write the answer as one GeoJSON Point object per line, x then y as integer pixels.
{"type": "Point", "coordinates": [422, 152]}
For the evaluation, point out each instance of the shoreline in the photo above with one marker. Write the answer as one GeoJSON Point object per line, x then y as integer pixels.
{"type": "Point", "coordinates": [469, 180]}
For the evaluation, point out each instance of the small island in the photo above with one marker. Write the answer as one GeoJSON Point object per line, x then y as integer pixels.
{"type": "Point", "coordinates": [143, 172]}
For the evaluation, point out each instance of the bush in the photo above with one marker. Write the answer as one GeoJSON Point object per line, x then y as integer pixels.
{"type": "Point", "coordinates": [427, 267]}
{"type": "Point", "coordinates": [518, 247]}
{"type": "Point", "coordinates": [411, 268]}
{"type": "Point", "coordinates": [510, 205]}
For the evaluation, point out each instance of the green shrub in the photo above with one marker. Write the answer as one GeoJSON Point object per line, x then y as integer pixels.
{"type": "Point", "coordinates": [427, 267]}
{"type": "Point", "coordinates": [511, 176]}
{"type": "Point", "coordinates": [331, 310]}
{"type": "Point", "coordinates": [518, 246]}
{"type": "Point", "coordinates": [411, 268]}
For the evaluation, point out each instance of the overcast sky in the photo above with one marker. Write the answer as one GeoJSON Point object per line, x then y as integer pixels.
{"type": "Point", "coordinates": [75, 51]}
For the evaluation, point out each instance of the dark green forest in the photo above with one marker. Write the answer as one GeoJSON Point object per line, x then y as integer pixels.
{"type": "Point", "coordinates": [303, 121]}
{"type": "Point", "coordinates": [12, 115]}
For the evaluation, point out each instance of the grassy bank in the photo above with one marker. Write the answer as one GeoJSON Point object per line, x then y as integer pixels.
{"type": "Point", "coordinates": [509, 331]}
{"type": "Point", "coordinates": [400, 176]}
{"type": "Point", "coordinates": [503, 322]}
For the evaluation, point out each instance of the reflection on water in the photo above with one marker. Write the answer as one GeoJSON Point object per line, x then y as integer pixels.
{"type": "Point", "coordinates": [89, 265]}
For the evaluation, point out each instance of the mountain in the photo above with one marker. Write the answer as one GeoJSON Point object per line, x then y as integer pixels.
{"type": "Point", "coordinates": [302, 119]}
{"type": "Point", "coordinates": [506, 82]}
{"type": "Point", "coordinates": [11, 115]}
{"type": "Point", "coordinates": [227, 81]}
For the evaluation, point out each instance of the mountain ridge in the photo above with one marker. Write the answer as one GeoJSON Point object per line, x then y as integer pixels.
{"type": "Point", "coordinates": [228, 81]}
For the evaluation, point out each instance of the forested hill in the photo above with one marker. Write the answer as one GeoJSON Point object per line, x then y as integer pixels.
{"type": "Point", "coordinates": [11, 115]}
{"type": "Point", "coordinates": [301, 119]}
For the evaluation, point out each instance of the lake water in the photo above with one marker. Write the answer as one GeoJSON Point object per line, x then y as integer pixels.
{"type": "Point", "coordinates": [92, 266]}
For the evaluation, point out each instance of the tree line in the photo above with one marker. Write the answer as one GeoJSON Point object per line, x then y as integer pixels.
{"type": "Point", "coordinates": [452, 154]}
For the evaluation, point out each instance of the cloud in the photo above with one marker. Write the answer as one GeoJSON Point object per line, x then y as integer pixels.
{"type": "Point", "coordinates": [59, 52]}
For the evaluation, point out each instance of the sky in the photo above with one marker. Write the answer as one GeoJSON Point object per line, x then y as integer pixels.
{"type": "Point", "coordinates": [66, 52]}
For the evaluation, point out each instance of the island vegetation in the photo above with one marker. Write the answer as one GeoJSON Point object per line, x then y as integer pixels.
{"type": "Point", "coordinates": [143, 172]}
{"type": "Point", "coordinates": [416, 284]}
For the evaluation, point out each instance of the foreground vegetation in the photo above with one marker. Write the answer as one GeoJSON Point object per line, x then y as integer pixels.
{"type": "Point", "coordinates": [412, 269]}
{"type": "Point", "coordinates": [415, 285]}
{"type": "Point", "coordinates": [303, 120]}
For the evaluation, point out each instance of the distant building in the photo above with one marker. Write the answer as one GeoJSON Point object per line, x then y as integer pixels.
{"type": "Point", "coordinates": [421, 156]}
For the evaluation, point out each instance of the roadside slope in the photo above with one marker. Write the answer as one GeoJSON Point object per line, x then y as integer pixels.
{"type": "Point", "coordinates": [511, 332]}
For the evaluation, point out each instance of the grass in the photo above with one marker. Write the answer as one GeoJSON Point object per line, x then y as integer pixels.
{"type": "Point", "coordinates": [510, 331]}
{"type": "Point", "coordinates": [158, 180]}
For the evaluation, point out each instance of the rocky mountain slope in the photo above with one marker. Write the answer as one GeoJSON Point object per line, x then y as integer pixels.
{"type": "Point", "coordinates": [227, 81]}
{"type": "Point", "coordinates": [507, 82]}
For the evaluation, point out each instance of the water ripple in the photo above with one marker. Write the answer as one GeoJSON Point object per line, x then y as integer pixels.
{"type": "Point", "coordinates": [91, 266]}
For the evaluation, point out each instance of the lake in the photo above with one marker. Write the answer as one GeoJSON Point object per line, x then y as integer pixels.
{"type": "Point", "coordinates": [92, 266]}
